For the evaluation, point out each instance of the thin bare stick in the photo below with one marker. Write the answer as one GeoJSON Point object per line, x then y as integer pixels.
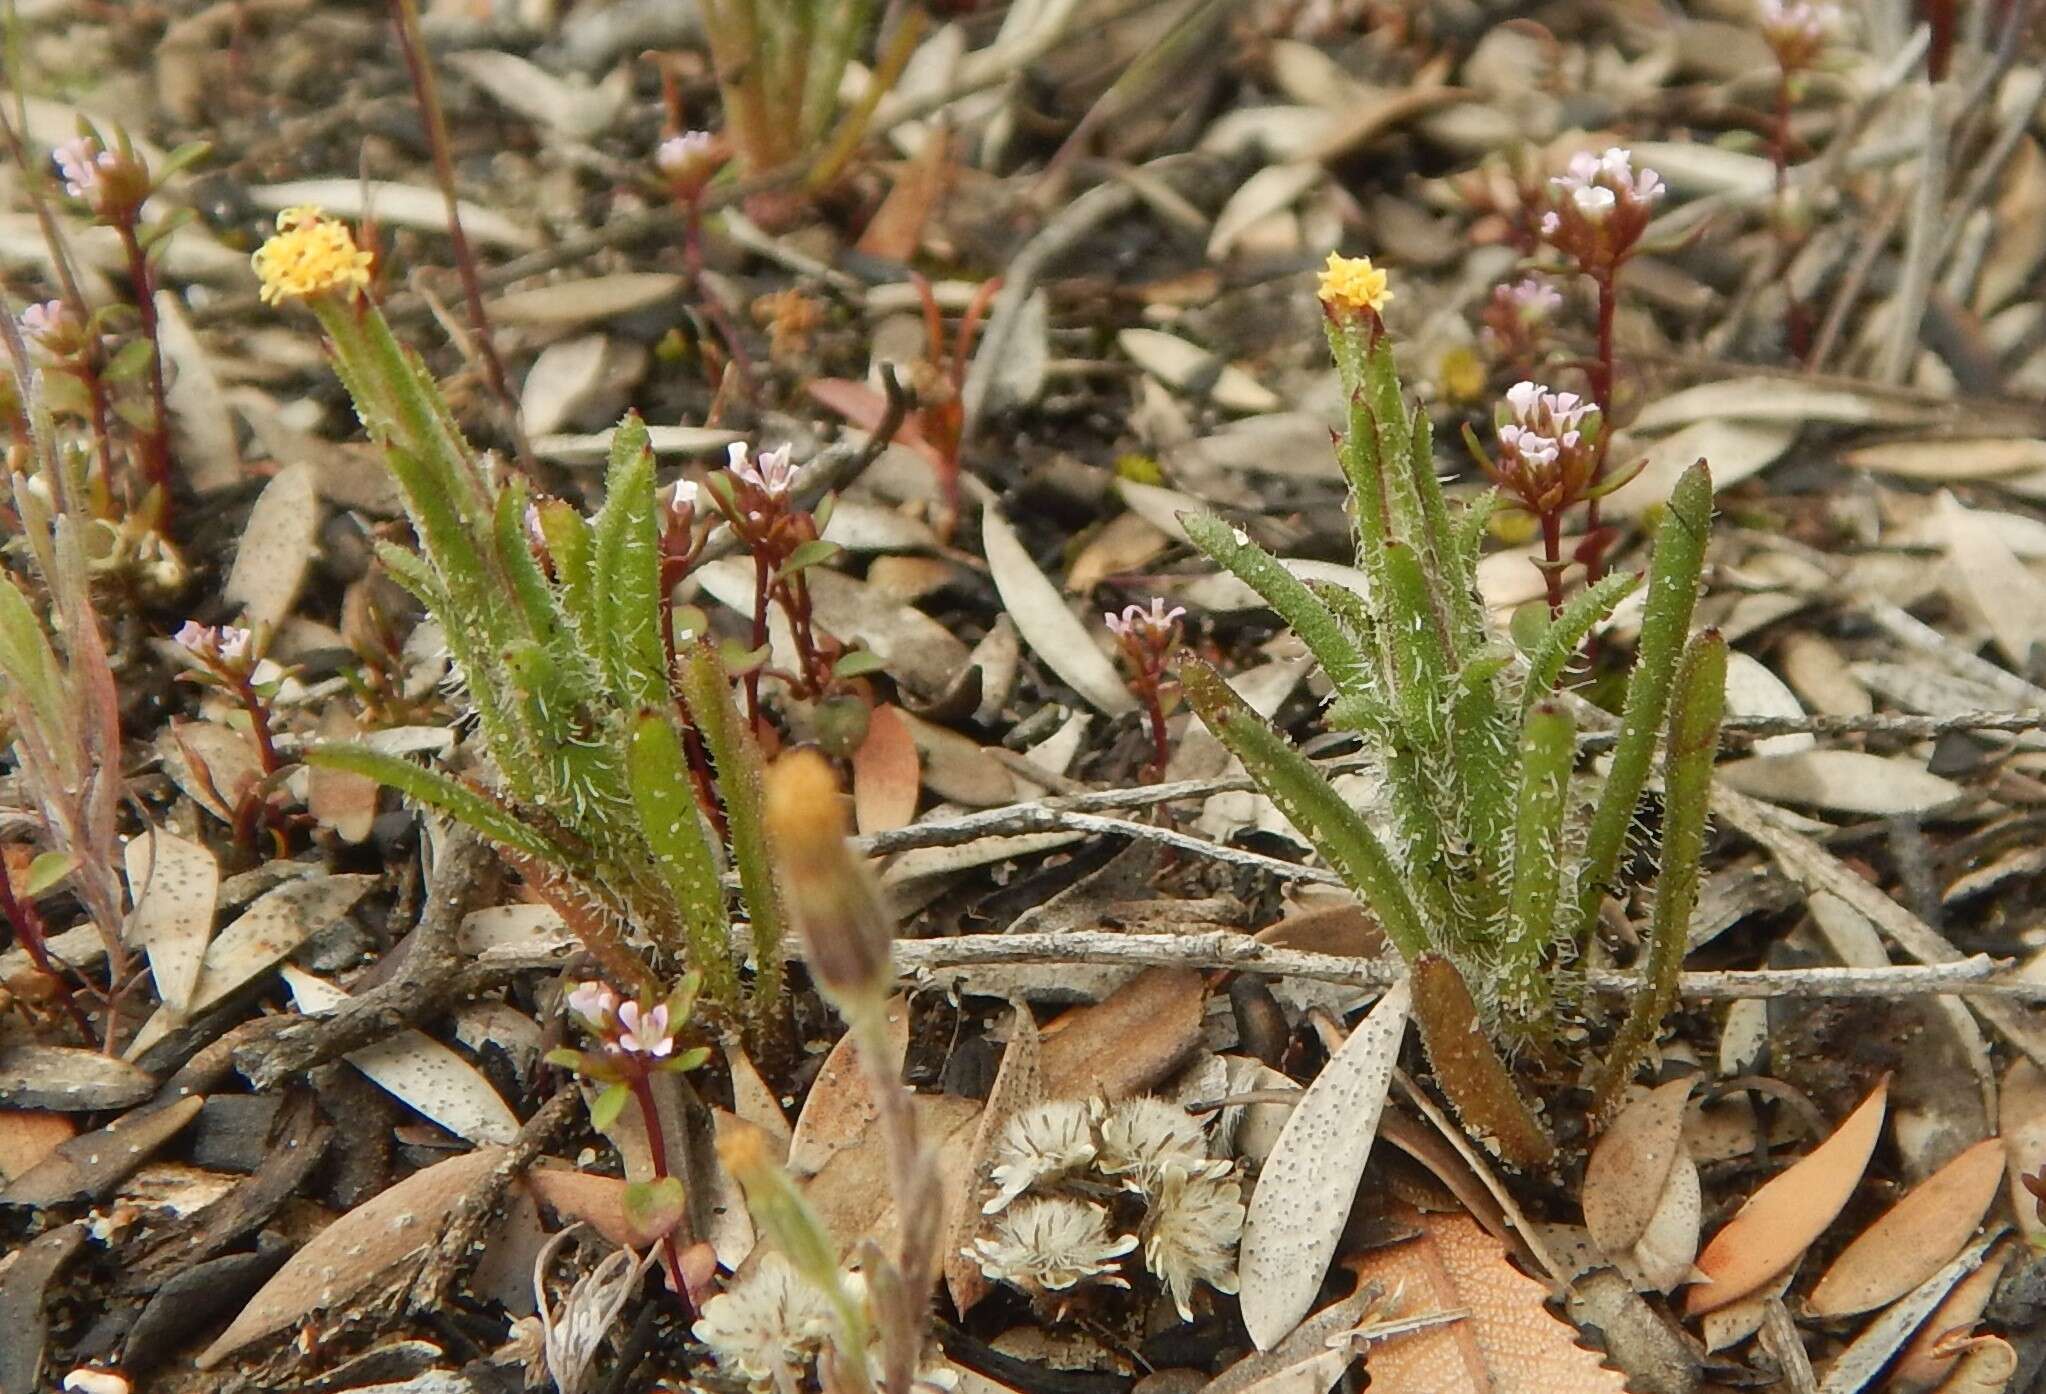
{"type": "Point", "coordinates": [1979, 976]}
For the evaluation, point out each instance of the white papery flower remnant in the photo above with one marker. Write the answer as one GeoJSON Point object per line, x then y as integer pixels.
{"type": "Point", "coordinates": [775, 1320]}
{"type": "Point", "coordinates": [1040, 1144]}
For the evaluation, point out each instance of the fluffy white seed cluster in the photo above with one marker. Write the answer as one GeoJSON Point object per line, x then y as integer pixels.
{"type": "Point", "coordinates": [1078, 1186]}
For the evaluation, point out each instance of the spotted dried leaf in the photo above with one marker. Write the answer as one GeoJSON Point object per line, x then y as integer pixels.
{"type": "Point", "coordinates": [1506, 1340]}
{"type": "Point", "coordinates": [174, 883]}
{"type": "Point", "coordinates": [1781, 1220]}
{"type": "Point", "coordinates": [417, 1070]}
{"type": "Point", "coordinates": [277, 548]}
{"type": "Point", "coordinates": [1640, 1186]}
{"type": "Point", "coordinates": [1309, 1182]}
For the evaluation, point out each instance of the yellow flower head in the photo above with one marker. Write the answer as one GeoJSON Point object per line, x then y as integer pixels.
{"type": "Point", "coordinates": [1353, 283]}
{"type": "Point", "coordinates": [310, 255]}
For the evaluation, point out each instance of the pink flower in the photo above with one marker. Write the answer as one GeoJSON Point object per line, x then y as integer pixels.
{"type": "Point", "coordinates": [772, 472]}
{"type": "Point", "coordinates": [690, 158]}
{"type": "Point", "coordinates": [678, 501]}
{"type": "Point", "coordinates": [645, 1032]}
{"type": "Point", "coordinates": [593, 1002]}
{"type": "Point", "coordinates": [216, 645]}
{"type": "Point", "coordinates": [1138, 624]}
{"type": "Point", "coordinates": [1797, 30]}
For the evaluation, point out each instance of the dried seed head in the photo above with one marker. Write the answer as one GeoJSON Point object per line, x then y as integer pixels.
{"type": "Point", "coordinates": [1191, 1236]}
{"type": "Point", "coordinates": [1051, 1245]}
{"type": "Point", "coordinates": [773, 1321]}
{"type": "Point", "coordinates": [846, 932]}
{"type": "Point", "coordinates": [1040, 1144]}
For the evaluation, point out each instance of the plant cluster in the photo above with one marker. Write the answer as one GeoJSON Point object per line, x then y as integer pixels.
{"type": "Point", "coordinates": [586, 700]}
{"type": "Point", "coordinates": [1484, 870]}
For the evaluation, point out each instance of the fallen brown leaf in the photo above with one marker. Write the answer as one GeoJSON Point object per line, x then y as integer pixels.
{"type": "Point", "coordinates": [886, 776]}
{"type": "Point", "coordinates": [1506, 1342]}
{"type": "Point", "coordinates": [1128, 1042]}
{"type": "Point", "coordinates": [345, 1256]}
{"type": "Point", "coordinates": [1914, 1237]}
{"type": "Point", "coordinates": [1782, 1219]}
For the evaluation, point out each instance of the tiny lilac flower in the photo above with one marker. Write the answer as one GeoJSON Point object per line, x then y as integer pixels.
{"type": "Point", "coordinates": [771, 471]}
{"type": "Point", "coordinates": [1138, 624]}
{"type": "Point", "coordinates": [82, 163]}
{"type": "Point", "coordinates": [44, 321]}
{"type": "Point", "coordinates": [645, 1032]}
{"type": "Point", "coordinates": [678, 500]}
{"type": "Point", "coordinates": [216, 645]}
{"type": "Point", "coordinates": [690, 157]}
{"type": "Point", "coordinates": [594, 1002]}
{"type": "Point", "coordinates": [1534, 300]}
{"type": "Point", "coordinates": [1593, 202]}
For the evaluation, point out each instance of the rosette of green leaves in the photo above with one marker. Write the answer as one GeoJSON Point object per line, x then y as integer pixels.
{"type": "Point", "coordinates": [1479, 865]}
{"type": "Point", "coordinates": [553, 622]}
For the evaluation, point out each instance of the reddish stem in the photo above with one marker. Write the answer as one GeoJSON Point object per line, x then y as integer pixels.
{"type": "Point", "coordinates": [763, 576]}
{"type": "Point", "coordinates": [156, 452]}
{"type": "Point", "coordinates": [657, 1153]}
{"type": "Point", "coordinates": [259, 725]}
{"type": "Point", "coordinates": [29, 932]}
{"type": "Point", "coordinates": [692, 256]}
{"type": "Point", "coordinates": [1552, 554]}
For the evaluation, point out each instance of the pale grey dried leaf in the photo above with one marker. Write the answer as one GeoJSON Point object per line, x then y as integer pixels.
{"type": "Point", "coordinates": [1951, 460]}
{"type": "Point", "coordinates": [1309, 1182]}
{"type": "Point", "coordinates": [1752, 690]}
{"type": "Point", "coordinates": [1693, 167]}
{"type": "Point", "coordinates": [571, 107]}
{"type": "Point", "coordinates": [1780, 399]}
{"type": "Point", "coordinates": [277, 548]}
{"type": "Point", "coordinates": [1662, 1257]}
{"type": "Point", "coordinates": [1992, 583]}
{"type": "Point", "coordinates": [1016, 375]}
{"type": "Point", "coordinates": [1052, 631]}
{"type": "Point", "coordinates": [174, 884]}
{"type": "Point", "coordinates": [561, 380]}
{"type": "Point", "coordinates": [208, 456]}
{"type": "Point", "coordinates": [1186, 366]}
{"type": "Point", "coordinates": [1842, 781]}
{"type": "Point", "coordinates": [395, 205]}
{"type": "Point", "coordinates": [417, 1070]}
{"type": "Point", "coordinates": [1273, 189]}
{"type": "Point", "coordinates": [69, 1079]}
{"type": "Point", "coordinates": [565, 304]}
{"type": "Point", "coordinates": [276, 923]}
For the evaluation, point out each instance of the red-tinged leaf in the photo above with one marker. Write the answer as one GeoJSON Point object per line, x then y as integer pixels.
{"type": "Point", "coordinates": [897, 227]}
{"type": "Point", "coordinates": [1915, 1237]}
{"type": "Point", "coordinates": [866, 409]}
{"type": "Point", "coordinates": [886, 775]}
{"type": "Point", "coordinates": [598, 1201]}
{"type": "Point", "coordinates": [1507, 1343]}
{"type": "Point", "coordinates": [1780, 1221]}
{"type": "Point", "coordinates": [347, 1255]}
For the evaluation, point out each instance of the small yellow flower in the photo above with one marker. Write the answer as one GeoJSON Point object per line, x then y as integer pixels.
{"type": "Point", "coordinates": [310, 255]}
{"type": "Point", "coordinates": [1353, 283]}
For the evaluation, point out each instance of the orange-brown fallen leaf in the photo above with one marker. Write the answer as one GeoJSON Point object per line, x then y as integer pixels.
{"type": "Point", "coordinates": [886, 775]}
{"type": "Point", "coordinates": [1915, 1237]}
{"type": "Point", "coordinates": [1507, 1343]}
{"type": "Point", "coordinates": [1780, 1221]}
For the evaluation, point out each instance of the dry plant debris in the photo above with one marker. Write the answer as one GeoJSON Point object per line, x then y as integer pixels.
{"type": "Point", "coordinates": [467, 462]}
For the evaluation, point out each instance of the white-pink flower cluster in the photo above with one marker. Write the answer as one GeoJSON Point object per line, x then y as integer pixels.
{"type": "Point", "coordinates": [1540, 423]}
{"type": "Point", "coordinates": [224, 645]}
{"type": "Point", "coordinates": [1595, 185]}
{"type": "Point", "coordinates": [85, 166]}
{"type": "Point", "coordinates": [626, 1027]}
{"type": "Point", "coordinates": [690, 158]}
{"type": "Point", "coordinates": [1531, 300]}
{"type": "Point", "coordinates": [1138, 625]}
{"type": "Point", "coordinates": [1799, 27]}
{"type": "Point", "coordinates": [772, 472]}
